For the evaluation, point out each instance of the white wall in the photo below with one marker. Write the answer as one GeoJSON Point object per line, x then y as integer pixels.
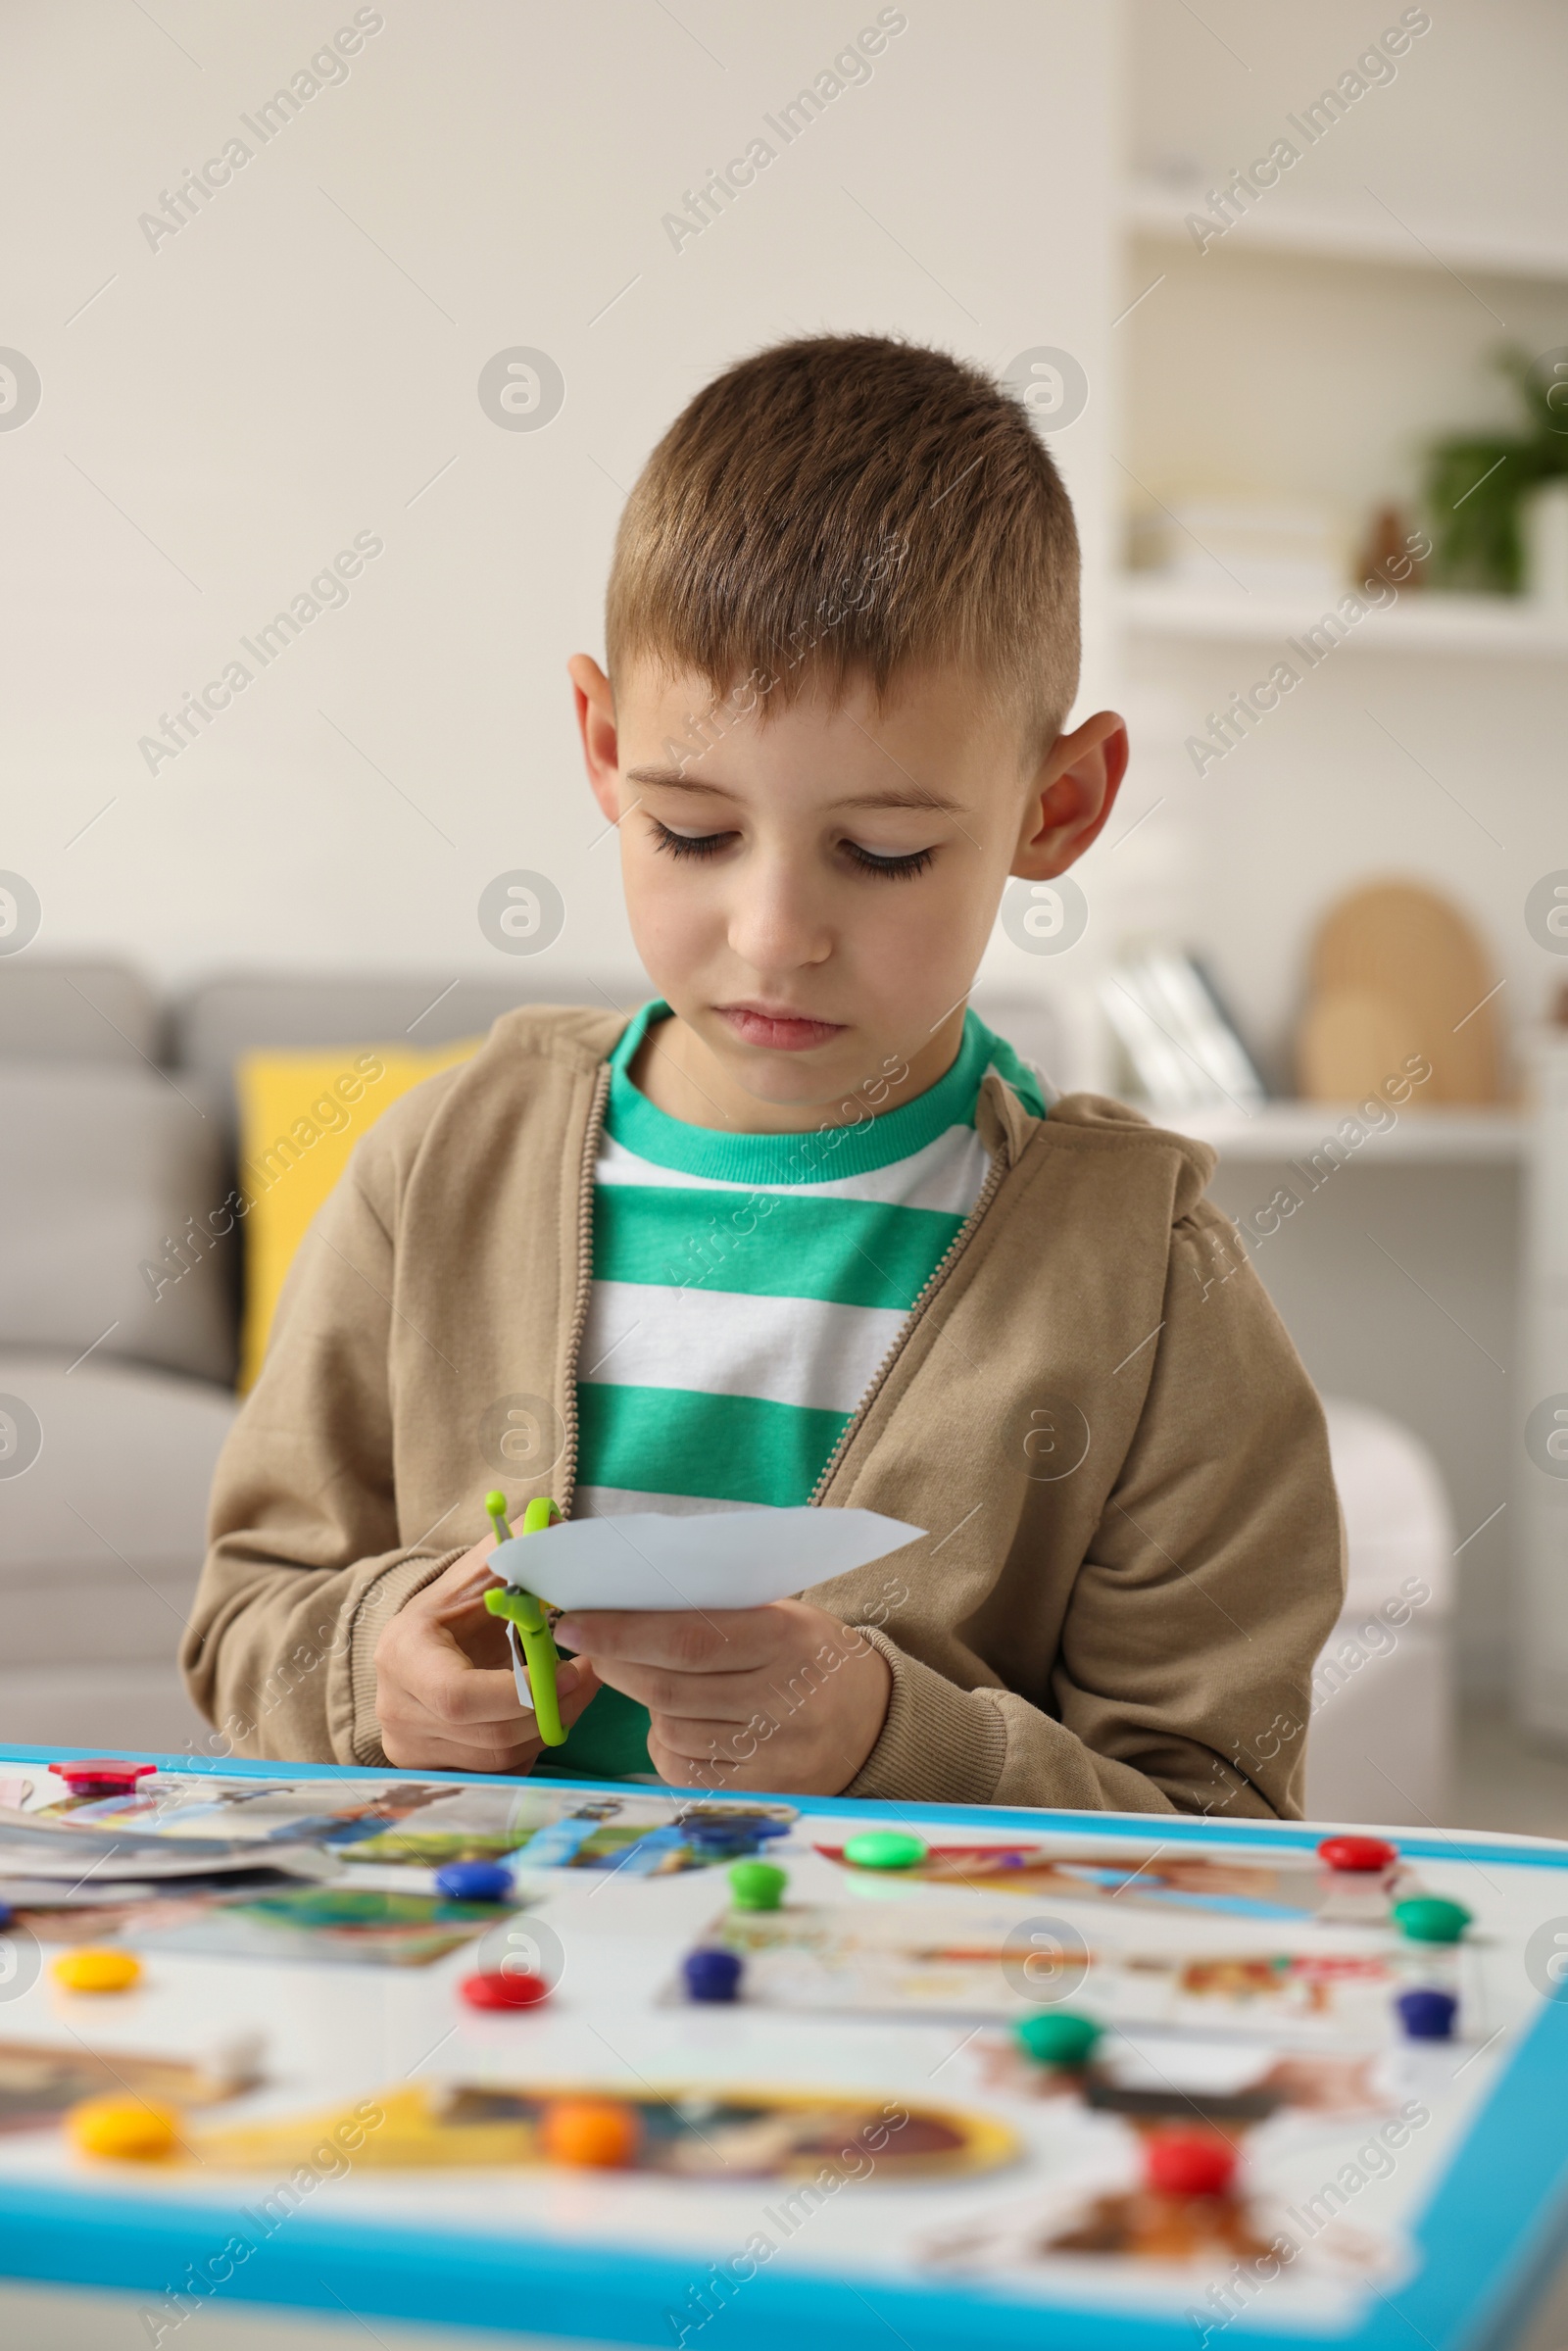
{"type": "Point", "coordinates": [1249, 371]}
{"type": "Point", "coordinates": [300, 362]}
{"type": "Point", "coordinates": [1466, 138]}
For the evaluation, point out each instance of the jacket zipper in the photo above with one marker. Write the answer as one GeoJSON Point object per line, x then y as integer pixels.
{"type": "Point", "coordinates": [585, 1269]}
{"type": "Point", "coordinates": [943, 1269]}
{"type": "Point", "coordinates": [580, 1321]}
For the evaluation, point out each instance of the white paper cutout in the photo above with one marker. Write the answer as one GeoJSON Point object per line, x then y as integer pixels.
{"type": "Point", "coordinates": [711, 1559]}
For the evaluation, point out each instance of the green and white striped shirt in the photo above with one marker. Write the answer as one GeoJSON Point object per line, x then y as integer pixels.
{"type": "Point", "coordinates": [745, 1289]}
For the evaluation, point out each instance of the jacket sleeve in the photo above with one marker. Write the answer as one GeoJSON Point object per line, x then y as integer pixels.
{"type": "Point", "coordinates": [1183, 1678]}
{"type": "Point", "coordinates": [305, 1564]}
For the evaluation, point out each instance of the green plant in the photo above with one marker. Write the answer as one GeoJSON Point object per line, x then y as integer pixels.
{"type": "Point", "coordinates": [1476, 482]}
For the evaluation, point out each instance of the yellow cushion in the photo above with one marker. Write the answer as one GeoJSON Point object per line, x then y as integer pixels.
{"type": "Point", "coordinates": [300, 1115]}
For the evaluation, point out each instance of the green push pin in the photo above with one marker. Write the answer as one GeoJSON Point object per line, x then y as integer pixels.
{"type": "Point", "coordinates": [1060, 2036]}
{"type": "Point", "coordinates": [884, 1850]}
{"type": "Point", "coordinates": [1430, 1919]}
{"type": "Point", "coordinates": [756, 1884]}
{"type": "Point", "coordinates": [524, 1610]}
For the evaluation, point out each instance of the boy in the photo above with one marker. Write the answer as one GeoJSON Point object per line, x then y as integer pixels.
{"type": "Point", "coordinates": [804, 1230]}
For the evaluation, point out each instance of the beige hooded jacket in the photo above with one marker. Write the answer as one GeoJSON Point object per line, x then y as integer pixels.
{"type": "Point", "coordinates": [1134, 1545]}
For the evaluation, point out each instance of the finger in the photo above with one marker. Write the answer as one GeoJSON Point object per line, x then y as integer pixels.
{"type": "Point", "coordinates": [470, 1574]}
{"type": "Point", "coordinates": [460, 1594]}
{"type": "Point", "coordinates": [724, 1743]}
{"type": "Point", "coordinates": [576, 1695]}
{"type": "Point", "coordinates": [405, 1716]}
{"type": "Point", "coordinates": [689, 1640]}
{"type": "Point", "coordinates": [456, 1694]}
{"type": "Point", "coordinates": [422, 1751]}
{"type": "Point", "coordinates": [409, 1716]}
{"type": "Point", "coordinates": [482, 1639]}
{"type": "Point", "coordinates": [414, 1740]}
{"type": "Point", "coordinates": [576, 1686]}
{"type": "Point", "coordinates": [704, 1773]}
{"type": "Point", "coordinates": [718, 1697]}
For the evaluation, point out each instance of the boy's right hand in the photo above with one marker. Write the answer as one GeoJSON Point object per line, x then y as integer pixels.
{"type": "Point", "coordinates": [445, 1696]}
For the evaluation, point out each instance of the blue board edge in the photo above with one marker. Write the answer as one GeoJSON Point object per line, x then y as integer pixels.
{"type": "Point", "coordinates": [1163, 1827]}
{"type": "Point", "coordinates": [1504, 2195]}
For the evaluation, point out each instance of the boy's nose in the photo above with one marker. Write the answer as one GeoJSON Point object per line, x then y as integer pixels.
{"type": "Point", "coordinates": [776, 927]}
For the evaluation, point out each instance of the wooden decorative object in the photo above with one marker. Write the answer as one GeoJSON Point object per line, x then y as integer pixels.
{"type": "Point", "coordinates": [1350, 1040]}
{"type": "Point", "coordinates": [1396, 971]}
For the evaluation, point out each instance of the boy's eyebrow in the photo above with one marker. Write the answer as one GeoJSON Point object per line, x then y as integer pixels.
{"type": "Point", "coordinates": [914, 796]}
{"type": "Point", "coordinates": [673, 776]}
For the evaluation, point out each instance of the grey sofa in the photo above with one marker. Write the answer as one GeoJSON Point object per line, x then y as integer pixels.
{"type": "Point", "coordinates": [117, 1125]}
{"type": "Point", "coordinates": [113, 1404]}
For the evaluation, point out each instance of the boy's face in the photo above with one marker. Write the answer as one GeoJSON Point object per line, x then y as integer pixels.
{"type": "Point", "coordinates": [811, 890]}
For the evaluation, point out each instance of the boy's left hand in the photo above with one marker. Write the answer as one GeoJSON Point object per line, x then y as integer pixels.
{"type": "Point", "coordinates": [783, 1698]}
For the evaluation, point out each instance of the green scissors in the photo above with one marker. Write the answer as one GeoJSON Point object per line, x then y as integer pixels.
{"type": "Point", "coordinates": [526, 1612]}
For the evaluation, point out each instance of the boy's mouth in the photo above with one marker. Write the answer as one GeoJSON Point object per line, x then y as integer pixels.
{"type": "Point", "coordinates": [781, 1031]}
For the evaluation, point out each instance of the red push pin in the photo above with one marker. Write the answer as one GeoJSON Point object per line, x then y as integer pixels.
{"type": "Point", "coordinates": [1189, 2163]}
{"type": "Point", "coordinates": [1359, 1853]}
{"type": "Point", "coordinates": [504, 1989]}
{"type": "Point", "coordinates": [101, 1775]}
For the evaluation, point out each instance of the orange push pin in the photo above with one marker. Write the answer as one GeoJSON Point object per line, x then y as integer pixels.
{"type": "Point", "coordinates": [92, 1970]}
{"type": "Point", "coordinates": [122, 2129]}
{"type": "Point", "coordinates": [592, 2134]}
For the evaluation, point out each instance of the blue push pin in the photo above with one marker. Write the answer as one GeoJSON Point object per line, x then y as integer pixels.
{"type": "Point", "coordinates": [474, 1881]}
{"type": "Point", "coordinates": [712, 1974]}
{"type": "Point", "coordinates": [1426, 2014]}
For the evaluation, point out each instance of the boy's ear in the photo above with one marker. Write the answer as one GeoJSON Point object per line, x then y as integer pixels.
{"type": "Point", "coordinates": [1070, 796]}
{"type": "Point", "coordinates": [596, 724]}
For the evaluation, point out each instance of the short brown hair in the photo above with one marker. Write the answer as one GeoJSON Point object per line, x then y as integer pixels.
{"type": "Point", "coordinates": [849, 505]}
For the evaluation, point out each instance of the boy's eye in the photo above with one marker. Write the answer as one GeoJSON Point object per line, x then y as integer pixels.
{"type": "Point", "coordinates": [898, 868]}
{"type": "Point", "coordinates": [902, 868]}
{"type": "Point", "coordinates": [688, 845]}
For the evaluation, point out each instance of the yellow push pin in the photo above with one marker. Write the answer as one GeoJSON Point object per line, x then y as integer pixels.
{"type": "Point", "coordinates": [123, 2129]}
{"type": "Point", "coordinates": [92, 1970]}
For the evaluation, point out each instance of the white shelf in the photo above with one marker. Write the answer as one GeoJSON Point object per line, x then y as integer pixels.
{"type": "Point", "coordinates": [1421, 621]}
{"type": "Point", "coordinates": [1374, 237]}
{"type": "Point", "coordinates": [1291, 1130]}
